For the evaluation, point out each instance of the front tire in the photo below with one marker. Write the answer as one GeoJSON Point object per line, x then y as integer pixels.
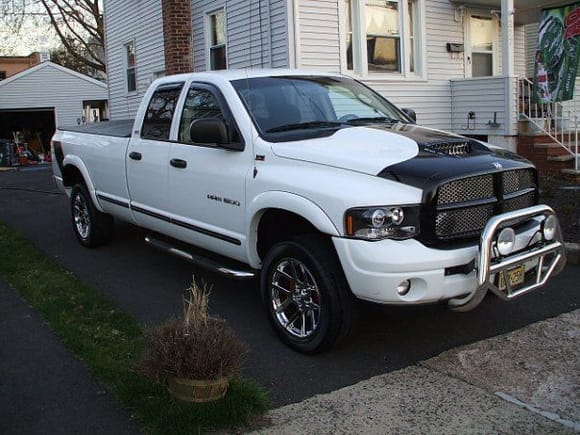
{"type": "Point", "coordinates": [305, 293]}
{"type": "Point", "coordinates": [92, 227]}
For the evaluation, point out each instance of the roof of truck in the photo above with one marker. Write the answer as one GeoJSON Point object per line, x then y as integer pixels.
{"type": "Point", "coordinates": [237, 74]}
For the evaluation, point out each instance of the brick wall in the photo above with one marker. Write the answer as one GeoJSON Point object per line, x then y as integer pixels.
{"type": "Point", "coordinates": [177, 35]}
{"type": "Point", "coordinates": [538, 149]}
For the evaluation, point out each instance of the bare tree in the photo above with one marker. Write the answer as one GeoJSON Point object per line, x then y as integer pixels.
{"type": "Point", "coordinates": [77, 23]}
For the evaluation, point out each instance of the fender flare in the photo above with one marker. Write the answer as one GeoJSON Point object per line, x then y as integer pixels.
{"type": "Point", "coordinates": [286, 201]}
{"type": "Point", "coordinates": [71, 160]}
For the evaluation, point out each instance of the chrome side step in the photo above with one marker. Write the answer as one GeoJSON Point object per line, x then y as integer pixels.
{"type": "Point", "coordinates": [205, 262]}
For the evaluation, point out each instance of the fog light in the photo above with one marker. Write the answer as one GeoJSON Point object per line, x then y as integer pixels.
{"type": "Point", "coordinates": [404, 287]}
{"type": "Point", "coordinates": [506, 241]}
{"type": "Point", "coordinates": [549, 227]}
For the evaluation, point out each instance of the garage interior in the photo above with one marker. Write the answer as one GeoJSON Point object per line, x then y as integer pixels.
{"type": "Point", "coordinates": [31, 128]}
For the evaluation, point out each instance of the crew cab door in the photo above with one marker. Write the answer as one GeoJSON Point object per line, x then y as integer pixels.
{"type": "Point", "coordinates": [207, 181]}
{"type": "Point", "coordinates": [148, 159]}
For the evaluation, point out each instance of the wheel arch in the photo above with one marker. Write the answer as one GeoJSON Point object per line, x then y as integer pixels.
{"type": "Point", "coordinates": [75, 171]}
{"type": "Point", "coordinates": [296, 214]}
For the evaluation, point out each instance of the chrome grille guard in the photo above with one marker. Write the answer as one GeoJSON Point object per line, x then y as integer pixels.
{"type": "Point", "coordinates": [487, 266]}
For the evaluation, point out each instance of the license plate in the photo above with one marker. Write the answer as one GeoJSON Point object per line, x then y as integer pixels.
{"type": "Point", "coordinates": [516, 277]}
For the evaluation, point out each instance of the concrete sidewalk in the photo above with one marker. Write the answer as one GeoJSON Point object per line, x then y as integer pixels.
{"type": "Point", "coordinates": [526, 381]}
{"type": "Point", "coordinates": [44, 389]}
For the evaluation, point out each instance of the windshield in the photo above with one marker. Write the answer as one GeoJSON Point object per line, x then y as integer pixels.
{"type": "Point", "coordinates": [303, 103]}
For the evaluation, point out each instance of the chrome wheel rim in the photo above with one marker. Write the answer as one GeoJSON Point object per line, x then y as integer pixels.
{"type": "Point", "coordinates": [295, 298]}
{"type": "Point", "coordinates": [82, 219]}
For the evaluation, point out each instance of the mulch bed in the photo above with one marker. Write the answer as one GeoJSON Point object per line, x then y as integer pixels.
{"type": "Point", "coordinates": [563, 195]}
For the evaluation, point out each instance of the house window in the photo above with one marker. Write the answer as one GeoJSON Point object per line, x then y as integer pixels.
{"type": "Point", "coordinates": [481, 30]}
{"type": "Point", "coordinates": [2, 75]}
{"type": "Point", "coordinates": [130, 60]}
{"type": "Point", "coordinates": [382, 36]}
{"type": "Point", "coordinates": [217, 40]}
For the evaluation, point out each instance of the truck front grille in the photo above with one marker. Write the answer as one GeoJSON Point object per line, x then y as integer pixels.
{"type": "Point", "coordinates": [463, 207]}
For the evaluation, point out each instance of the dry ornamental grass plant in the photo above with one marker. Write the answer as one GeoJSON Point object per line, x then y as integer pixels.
{"type": "Point", "coordinates": [195, 347]}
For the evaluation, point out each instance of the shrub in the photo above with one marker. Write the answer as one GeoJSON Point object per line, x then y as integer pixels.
{"type": "Point", "coordinates": [195, 347]}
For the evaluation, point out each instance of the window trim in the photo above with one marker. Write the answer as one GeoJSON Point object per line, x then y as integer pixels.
{"type": "Point", "coordinates": [224, 106]}
{"type": "Point", "coordinates": [166, 85]}
{"type": "Point", "coordinates": [207, 31]}
{"type": "Point", "coordinates": [360, 59]}
{"type": "Point", "coordinates": [126, 67]}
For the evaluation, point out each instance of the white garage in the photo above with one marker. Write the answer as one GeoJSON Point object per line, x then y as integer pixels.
{"type": "Point", "coordinates": [35, 101]}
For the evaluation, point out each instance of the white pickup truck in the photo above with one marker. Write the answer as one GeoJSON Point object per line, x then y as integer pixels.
{"type": "Point", "coordinates": [319, 185]}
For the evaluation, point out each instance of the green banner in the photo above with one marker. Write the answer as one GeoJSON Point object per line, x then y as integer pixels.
{"type": "Point", "coordinates": [557, 54]}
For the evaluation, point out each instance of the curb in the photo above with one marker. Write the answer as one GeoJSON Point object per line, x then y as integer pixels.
{"type": "Point", "coordinates": [573, 252]}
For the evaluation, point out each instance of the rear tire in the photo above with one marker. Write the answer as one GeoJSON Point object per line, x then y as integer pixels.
{"type": "Point", "coordinates": [305, 293]}
{"type": "Point", "coordinates": [92, 227]}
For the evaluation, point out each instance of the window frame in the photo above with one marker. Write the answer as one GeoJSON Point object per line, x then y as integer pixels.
{"type": "Point", "coordinates": [359, 35]}
{"type": "Point", "coordinates": [208, 35]}
{"type": "Point", "coordinates": [128, 67]}
{"type": "Point", "coordinates": [221, 101]}
{"type": "Point", "coordinates": [163, 86]}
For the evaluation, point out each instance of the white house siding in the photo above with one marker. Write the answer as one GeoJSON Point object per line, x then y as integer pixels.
{"type": "Point", "coordinates": [142, 22]}
{"type": "Point", "coordinates": [257, 33]}
{"type": "Point", "coordinates": [484, 96]}
{"type": "Point", "coordinates": [51, 86]}
{"type": "Point", "coordinates": [530, 47]}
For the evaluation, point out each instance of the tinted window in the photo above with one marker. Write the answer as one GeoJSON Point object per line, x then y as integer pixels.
{"type": "Point", "coordinates": [199, 104]}
{"type": "Point", "coordinates": [280, 101]}
{"type": "Point", "coordinates": [157, 122]}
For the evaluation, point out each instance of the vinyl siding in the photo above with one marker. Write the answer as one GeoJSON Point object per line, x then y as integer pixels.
{"type": "Point", "coordinates": [531, 43]}
{"type": "Point", "coordinates": [141, 21]}
{"type": "Point", "coordinates": [51, 87]}
{"type": "Point", "coordinates": [484, 96]}
{"type": "Point", "coordinates": [256, 31]}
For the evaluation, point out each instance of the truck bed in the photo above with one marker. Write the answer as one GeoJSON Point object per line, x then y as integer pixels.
{"type": "Point", "coordinates": [120, 128]}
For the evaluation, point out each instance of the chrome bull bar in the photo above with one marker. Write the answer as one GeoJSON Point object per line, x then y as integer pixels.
{"type": "Point", "coordinates": [549, 254]}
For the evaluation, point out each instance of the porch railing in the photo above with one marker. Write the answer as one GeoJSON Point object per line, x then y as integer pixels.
{"type": "Point", "coordinates": [552, 119]}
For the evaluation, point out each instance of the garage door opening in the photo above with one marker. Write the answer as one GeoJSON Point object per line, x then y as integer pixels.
{"type": "Point", "coordinates": [34, 127]}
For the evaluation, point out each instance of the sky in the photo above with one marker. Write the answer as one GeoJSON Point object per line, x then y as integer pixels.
{"type": "Point", "coordinates": [35, 33]}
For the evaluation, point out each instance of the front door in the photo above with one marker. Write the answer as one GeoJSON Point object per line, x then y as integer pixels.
{"type": "Point", "coordinates": [481, 44]}
{"type": "Point", "coordinates": [208, 183]}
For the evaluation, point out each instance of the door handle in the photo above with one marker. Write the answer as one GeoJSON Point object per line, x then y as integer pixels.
{"type": "Point", "coordinates": [178, 163]}
{"type": "Point", "coordinates": [135, 156]}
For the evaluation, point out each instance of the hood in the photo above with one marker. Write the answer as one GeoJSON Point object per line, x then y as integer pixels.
{"type": "Point", "coordinates": [408, 153]}
{"type": "Point", "coordinates": [443, 157]}
{"type": "Point", "coordinates": [362, 149]}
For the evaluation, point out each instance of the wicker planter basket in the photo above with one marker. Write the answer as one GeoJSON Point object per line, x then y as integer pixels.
{"type": "Point", "coordinates": [191, 390]}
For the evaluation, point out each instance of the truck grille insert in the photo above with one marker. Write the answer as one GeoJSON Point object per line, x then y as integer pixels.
{"type": "Point", "coordinates": [463, 207]}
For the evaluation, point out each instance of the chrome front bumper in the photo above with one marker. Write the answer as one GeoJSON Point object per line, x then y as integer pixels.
{"type": "Point", "coordinates": [546, 258]}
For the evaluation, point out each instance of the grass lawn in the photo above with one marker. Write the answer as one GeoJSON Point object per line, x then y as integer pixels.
{"type": "Point", "coordinates": [109, 342]}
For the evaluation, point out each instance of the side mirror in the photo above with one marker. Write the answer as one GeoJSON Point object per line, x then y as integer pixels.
{"type": "Point", "coordinates": [410, 113]}
{"type": "Point", "coordinates": [209, 131]}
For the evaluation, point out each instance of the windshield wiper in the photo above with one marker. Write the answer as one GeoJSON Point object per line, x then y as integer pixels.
{"type": "Point", "coordinates": [372, 119]}
{"type": "Point", "coordinates": [307, 125]}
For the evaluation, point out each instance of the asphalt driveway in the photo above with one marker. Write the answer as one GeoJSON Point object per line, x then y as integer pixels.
{"type": "Point", "coordinates": [149, 285]}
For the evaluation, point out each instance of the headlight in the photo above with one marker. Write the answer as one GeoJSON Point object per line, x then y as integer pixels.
{"type": "Point", "coordinates": [382, 222]}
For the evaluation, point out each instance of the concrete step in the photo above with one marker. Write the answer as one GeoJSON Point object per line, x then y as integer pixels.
{"type": "Point", "coordinates": [563, 157]}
